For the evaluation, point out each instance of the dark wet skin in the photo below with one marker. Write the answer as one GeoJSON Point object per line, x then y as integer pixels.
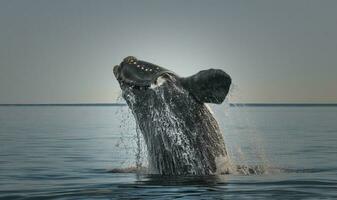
{"type": "Point", "coordinates": [138, 73]}
{"type": "Point", "coordinates": [180, 132]}
{"type": "Point", "coordinates": [207, 86]}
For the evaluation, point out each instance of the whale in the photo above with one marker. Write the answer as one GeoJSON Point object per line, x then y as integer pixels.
{"type": "Point", "coordinates": [181, 134]}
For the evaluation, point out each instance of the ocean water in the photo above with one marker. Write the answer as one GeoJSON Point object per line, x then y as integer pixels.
{"type": "Point", "coordinates": [68, 152]}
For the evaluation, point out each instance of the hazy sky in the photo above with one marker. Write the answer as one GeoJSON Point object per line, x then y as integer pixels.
{"type": "Point", "coordinates": [62, 51]}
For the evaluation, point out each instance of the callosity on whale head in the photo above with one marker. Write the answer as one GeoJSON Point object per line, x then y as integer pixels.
{"type": "Point", "coordinates": [135, 72]}
{"type": "Point", "coordinates": [181, 134]}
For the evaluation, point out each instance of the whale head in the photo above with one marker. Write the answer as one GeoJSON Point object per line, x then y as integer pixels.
{"type": "Point", "coordinates": [138, 74]}
{"type": "Point", "coordinates": [207, 86]}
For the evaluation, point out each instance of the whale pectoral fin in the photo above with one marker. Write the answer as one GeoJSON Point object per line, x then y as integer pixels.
{"type": "Point", "coordinates": [208, 86]}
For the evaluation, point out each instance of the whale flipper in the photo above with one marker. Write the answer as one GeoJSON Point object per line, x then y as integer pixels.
{"type": "Point", "coordinates": [208, 86]}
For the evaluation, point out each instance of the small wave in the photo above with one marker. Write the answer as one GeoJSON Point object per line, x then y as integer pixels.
{"type": "Point", "coordinates": [239, 170]}
{"type": "Point", "coordinates": [313, 170]}
{"type": "Point", "coordinates": [253, 170]}
{"type": "Point", "coordinates": [131, 169]}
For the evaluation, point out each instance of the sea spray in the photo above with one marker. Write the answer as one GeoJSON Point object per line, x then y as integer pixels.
{"type": "Point", "coordinates": [244, 146]}
{"type": "Point", "coordinates": [244, 156]}
{"type": "Point", "coordinates": [179, 141]}
{"type": "Point", "coordinates": [130, 141]}
{"type": "Point", "coordinates": [168, 123]}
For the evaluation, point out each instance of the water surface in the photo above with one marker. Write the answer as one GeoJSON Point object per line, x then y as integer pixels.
{"type": "Point", "coordinates": [66, 152]}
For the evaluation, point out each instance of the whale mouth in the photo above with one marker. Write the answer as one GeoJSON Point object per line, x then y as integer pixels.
{"type": "Point", "coordinates": [138, 74]}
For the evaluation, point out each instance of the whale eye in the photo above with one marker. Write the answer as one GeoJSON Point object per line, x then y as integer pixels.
{"type": "Point", "coordinates": [158, 82]}
{"type": "Point", "coordinates": [166, 76]}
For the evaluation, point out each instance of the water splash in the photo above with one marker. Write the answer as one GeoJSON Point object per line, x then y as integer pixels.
{"type": "Point", "coordinates": [246, 159]}
{"type": "Point", "coordinates": [173, 125]}
{"type": "Point", "coordinates": [130, 141]}
{"type": "Point", "coordinates": [244, 145]}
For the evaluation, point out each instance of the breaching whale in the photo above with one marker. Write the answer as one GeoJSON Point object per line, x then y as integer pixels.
{"type": "Point", "coordinates": [180, 132]}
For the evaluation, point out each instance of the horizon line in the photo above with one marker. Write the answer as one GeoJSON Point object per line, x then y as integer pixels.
{"type": "Point", "coordinates": [124, 104]}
